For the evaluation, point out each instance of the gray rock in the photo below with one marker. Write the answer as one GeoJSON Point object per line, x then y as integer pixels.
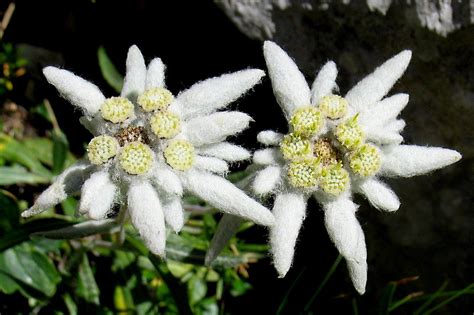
{"type": "Point", "coordinates": [256, 18]}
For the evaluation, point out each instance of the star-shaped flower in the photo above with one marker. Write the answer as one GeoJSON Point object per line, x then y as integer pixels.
{"type": "Point", "coordinates": [335, 146]}
{"type": "Point", "coordinates": [150, 146]}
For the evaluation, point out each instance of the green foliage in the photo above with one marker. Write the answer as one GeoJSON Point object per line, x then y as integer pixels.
{"type": "Point", "coordinates": [109, 71]}
{"type": "Point", "coordinates": [12, 67]}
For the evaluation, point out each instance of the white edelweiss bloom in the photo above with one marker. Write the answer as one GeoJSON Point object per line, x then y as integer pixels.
{"type": "Point", "coordinates": [150, 147]}
{"type": "Point", "coordinates": [335, 146]}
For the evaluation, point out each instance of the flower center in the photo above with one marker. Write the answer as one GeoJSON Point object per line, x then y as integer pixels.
{"type": "Point", "coordinates": [132, 134]}
{"type": "Point", "coordinates": [136, 158]}
{"type": "Point", "coordinates": [116, 109]}
{"type": "Point", "coordinates": [333, 106]}
{"type": "Point", "coordinates": [179, 154]}
{"type": "Point", "coordinates": [155, 99]}
{"type": "Point", "coordinates": [165, 124]}
{"type": "Point", "coordinates": [318, 162]}
{"type": "Point", "coordinates": [102, 148]}
{"type": "Point", "coordinates": [326, 152]}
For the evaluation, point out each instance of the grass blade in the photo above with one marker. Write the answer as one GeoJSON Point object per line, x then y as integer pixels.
{"type": "Point", "coordinates": [323, 283]}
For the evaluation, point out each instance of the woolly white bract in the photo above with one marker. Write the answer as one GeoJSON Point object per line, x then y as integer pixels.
{"type": "Point", "coordinates": [335, 146]}
{"type": "Point", "coordinates": [149, 146]}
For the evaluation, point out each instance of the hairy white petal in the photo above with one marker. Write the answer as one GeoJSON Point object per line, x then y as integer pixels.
{"type": "Point", "coordinates": [135, 76]}
{"type": "Point", "coordinates": [269, 137]}
{"type": "Point", "coordinates": [174, 213]}
{"type": "Point", "coordinates": [210, 164]}
{"type": "Point", "coordinates": [147, 216]}
{"type": "Point", "coordinates": [342, 226]}
{"type": "Point", "coordinates": [215, 127]}
{"type": "Point", "coordinates": [379, 194]}
{"type": "Point", "coordinates": [223, 195]}
{"type": "Point", "coordinates": [396, 125]}
{"type": "Point", "coordinates": [289, 85]}
{"type": "Point", "coordinates": [411, 160]}
{"type": "Point", "coordinates": [377, 84]}
{"type": "Point", "coordinates": [226, 151]}
{"type": "Point", "coordinates": [266, 180]}
{"type": "Point", "coordinates": [289, 211]}
{"type": "Point", "coordinates": [97, 196]}
{"type": "Point", "coordinates": [212, 94]}
{"type": "Point", "coordinates": [269, 156]}
{"type": "Point", "coordinates": [227, 227]}
{"type": "Point", "coordinates": [167, 181]}
{"type": "Point", "coordinates": [155, 74]}
{"type": "Point", "coordinates": [76, 90]}
{"type": "Point", "coordinates": [324, 83]}
{"type": "Point", "coordinates": [384, 111]}
{"type": "Point", "coordinates": [358, 267]}
{"type": "Point", "coordinates": [68, 182]}
{"type": "Point", "coordinates": [382, 135]}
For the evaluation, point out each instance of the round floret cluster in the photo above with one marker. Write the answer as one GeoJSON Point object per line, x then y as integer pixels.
{"type": "Point", "coordinates": [315, 157]}
{"type": "Point", "coordinates": [131, 143]}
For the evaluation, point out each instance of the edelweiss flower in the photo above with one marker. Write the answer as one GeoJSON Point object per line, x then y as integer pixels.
{"type": "Point", "coordinates": [336, 146]}
{"type": "Point", "coordinates": [150, 146]}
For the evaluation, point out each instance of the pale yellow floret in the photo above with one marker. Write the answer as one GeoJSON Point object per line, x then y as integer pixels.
{"type": "Point", "coordinates": [102, 148]}
{"type": "Point", "coordinates": [333, 106]}
{"type": "Point", "coordinates": [365, 161]}
{"type": "Point", "coordinates": [155, 99]}
{"type": "Point", "coordinates": [165, 124]}
{"type": "Point", "coordinates": [307, 121]}
{"type": "Point", "coordinates": [116, 109]}
{"type": "Point", "coordinates": [136, 158]}
{"type": "Point", "coordinates": [294, 146]}
{"type": "Point", "coordinates": [350, 133]}
{"type": "Point", "coordinates": [304, 173]}
{"type": "Point", "coordinates": [334, 179]}
{"type": "Point", "coordinates": [179, 154]}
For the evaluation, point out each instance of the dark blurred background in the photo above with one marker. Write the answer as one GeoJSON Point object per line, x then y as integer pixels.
{"type": "Point", "coordinates": [431, 235]}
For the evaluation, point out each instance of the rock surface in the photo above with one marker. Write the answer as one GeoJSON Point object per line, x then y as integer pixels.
{"type": "Point", "coordinates": [256, 18]}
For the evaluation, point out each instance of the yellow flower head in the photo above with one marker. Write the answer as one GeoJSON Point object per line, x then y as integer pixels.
{"type": "Point", "coordinates": [136, 158]}
{"type": "Point", "coordinates": [333, 106]}
{"type": "Point", "coordinates": [350, 133]}
{"type": "Point", "coordinates": [155, 99]}
{"type": "Point", "coordinates": [304, 173]}
{"type": "Point", "coordinates": [102, 148]}
{"type": "Point", "coordinates": [294, 146]}
{"type": "Point", "coordinates": [179, 154]}
{"type": "Point", "coordinates": [307, 121]}
{"type": "Point", "coordinates": [365, 161]}
{"type": "Point", "coordinates": [165, 124]}
{"type": "Point", "coordinates": [334, 179]}
{"type": "Point", "coordinates": [116, 109]}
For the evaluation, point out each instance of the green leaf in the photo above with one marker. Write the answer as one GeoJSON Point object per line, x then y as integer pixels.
{"type": "Point", "coordinates": [15, 152]}
{"type": "Point", "coordinates": [208, 307]}
{"type": "Point", "coordinates": [14, 175]}
{"type": "Point", "coordinates": [197, 289]}
{"type": "Point", "coordinates": [8, 212]}
{"type": "Point", "coordinates": [7, 284]}
{"type": "Point", "coordinates": [87, 287]}
{"type": "Point", "coordinates": [70, 304]}
{"type": "Point", "coordinates": [22, 233]}
{"type": "Point", "coordinates": [60, 150]}
{"type": "Point", "coordinates": [32, 268]}
{"type": "Point", "coordinates": [123, 300]}
{"type": "Point", "coordinates": [82, 229]}
{"type": "Point", "coordinates": [109, 72]}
